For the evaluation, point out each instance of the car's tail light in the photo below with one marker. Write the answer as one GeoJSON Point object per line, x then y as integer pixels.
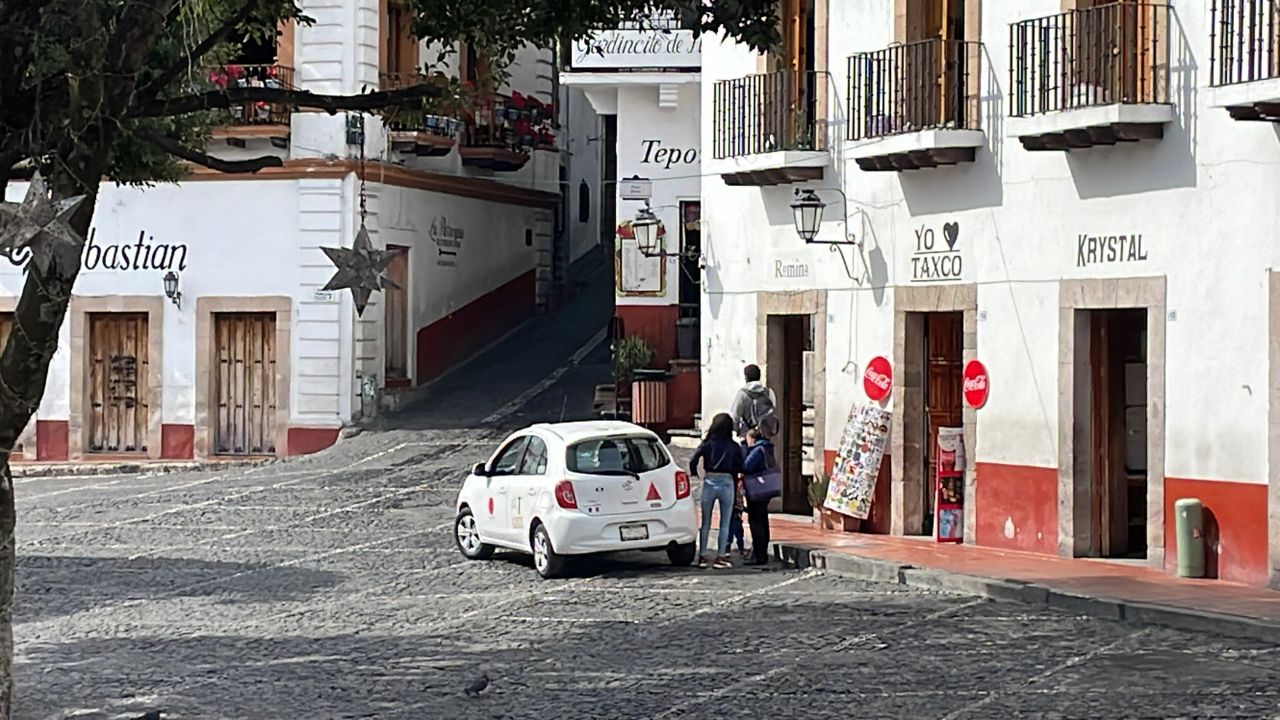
{"type": "Point", "coordinates": [565, 497]}
{"type": "Point", "coordinates": [682, 484]}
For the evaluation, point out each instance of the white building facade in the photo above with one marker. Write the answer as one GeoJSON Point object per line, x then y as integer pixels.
{"type": "Point", "coordinates": [644, 79]}
{"type": "Point", "coordinates": [1077, 196]}
{"type": "Point", "coordinates": [250, 356]}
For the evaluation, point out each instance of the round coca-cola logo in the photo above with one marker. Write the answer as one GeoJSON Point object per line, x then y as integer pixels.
{"type": "Point", "coordinates": [878, 378]}
{"type": "Point", "coordinates": [976, 384]}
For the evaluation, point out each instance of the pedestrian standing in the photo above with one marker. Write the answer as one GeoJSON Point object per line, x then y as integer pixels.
{"type": "Point", "coordinates": [759, 459]}
{"type": "Point", "coordinates": [721, 459]}
{"type": "Point", "coordinates": [736, 533]}
{"type": "Point", "coordinates": [754, 407]}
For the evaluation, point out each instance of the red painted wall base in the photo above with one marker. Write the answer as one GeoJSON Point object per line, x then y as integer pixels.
{"type": "Point", "coordinates": [303, 441]}
{"type": "Point", "coordinates": [1235, 527]}
{"type": "Point", "coordinates": [1017, 507]}
{"type": "Point", "coordinates": [177, 442]}
{"type": "Point", "coordinates": [468, 329]}
{"type": "Point", "coordinates": [52, 440]}
{"type": "Point", "coordinates": [656, 324]}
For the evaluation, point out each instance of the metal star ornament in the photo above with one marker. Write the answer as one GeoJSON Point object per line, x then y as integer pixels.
{"type": "Point", "coordinates": [40, 226]}
{"type": "Point", "coordinates": [360, 269]}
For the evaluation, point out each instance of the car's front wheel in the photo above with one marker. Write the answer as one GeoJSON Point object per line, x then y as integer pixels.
{"type": "Point", "coordinates": [682, 555]}
{"type": "Point", "coordinates": [467, 536]}
{"type": "Point", "coordinates": [545, 559]}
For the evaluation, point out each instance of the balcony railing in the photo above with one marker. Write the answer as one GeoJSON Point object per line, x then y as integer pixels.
{"type": "Point", "coordinates": [927, 85]}
{"type": "Point", "coordinates": [441, 124]}
{"type": "Point", "coordinates": [768, 113]}
{"type": "Point", "coordinates": [1104, 55]}
{"type": "Point", "coordinates": [259, 113]}
{"type": "Point", "coordinates": [1244, 36]}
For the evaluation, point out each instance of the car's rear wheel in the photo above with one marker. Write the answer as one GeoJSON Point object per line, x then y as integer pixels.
{"type": "Point", "coordinates": [467, 535]}
{"type": "Point", "coordinates": [683, 554]}
{"type": "Point", "coordinates": [545, 559]}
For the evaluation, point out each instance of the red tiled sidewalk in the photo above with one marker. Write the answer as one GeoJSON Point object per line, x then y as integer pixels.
{"type": "Point", "coordinates": [1129, 584]}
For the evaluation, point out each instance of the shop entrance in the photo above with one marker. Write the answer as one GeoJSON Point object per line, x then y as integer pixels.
{"type": "Point", "coordinates": [943, 379]}
{"type": "Point", "coordinates": [1111, 347]}
{"type": "Point", "coordinates": [245, 383]}
{"type": "Point", "coordinates": [119, 410]}
{"type": "Point", "coordinates": [789, 338]}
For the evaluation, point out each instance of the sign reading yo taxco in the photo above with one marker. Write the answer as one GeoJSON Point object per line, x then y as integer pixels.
{"type": "Point", "coordinates": [937, 259]}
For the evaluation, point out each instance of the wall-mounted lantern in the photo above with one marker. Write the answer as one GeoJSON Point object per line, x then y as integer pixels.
{"type": "Point", "coordinates": [171, 289]}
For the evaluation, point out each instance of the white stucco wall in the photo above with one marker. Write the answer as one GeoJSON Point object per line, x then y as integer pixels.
{"type": "Point", "coordinates": [663, 145]}
{"type": "Point", "coordinates": [1200, 199]}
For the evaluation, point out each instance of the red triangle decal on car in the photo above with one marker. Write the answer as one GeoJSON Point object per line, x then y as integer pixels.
{"type": "Point", "coordinates": [653, 493]}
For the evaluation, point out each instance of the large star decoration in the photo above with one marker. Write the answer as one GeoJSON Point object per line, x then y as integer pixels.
{"type": "Point", "coordinates": [41, 226]}
{"type": "Point", "coordinates": [360, 269]}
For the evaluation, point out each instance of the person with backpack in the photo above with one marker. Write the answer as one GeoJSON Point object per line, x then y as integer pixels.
{"type": "Point", "coordinates": [754, 407]}
{"type": "Point", "coordinates": [759, 460]}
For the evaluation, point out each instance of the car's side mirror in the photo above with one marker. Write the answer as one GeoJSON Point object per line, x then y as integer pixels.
{"type": "Point", "coordinates": [480, 470]}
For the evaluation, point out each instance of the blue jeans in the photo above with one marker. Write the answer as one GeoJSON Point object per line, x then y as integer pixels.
{"type": "Point", "coordinates": [716, 487]}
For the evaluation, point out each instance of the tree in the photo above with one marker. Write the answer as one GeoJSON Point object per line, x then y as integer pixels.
{"type": "Point", "coordinates": [113, 90]}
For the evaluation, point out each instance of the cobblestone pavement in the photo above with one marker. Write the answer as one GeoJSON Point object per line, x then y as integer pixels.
{"type": "Point", "coordinates": [329, 587]}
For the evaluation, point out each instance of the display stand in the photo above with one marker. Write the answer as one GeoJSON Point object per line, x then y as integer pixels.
{"type": "Point", "coordinates": [948, 499]}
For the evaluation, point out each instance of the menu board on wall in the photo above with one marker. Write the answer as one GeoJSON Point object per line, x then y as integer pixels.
{"type": "Point", "coordinates": [853, 477]}
{"type": "Point", "coordinates": [638, 275]}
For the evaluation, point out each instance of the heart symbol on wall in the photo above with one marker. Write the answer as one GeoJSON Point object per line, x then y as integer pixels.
{"type": "Point", "coordinates": [951, 233]}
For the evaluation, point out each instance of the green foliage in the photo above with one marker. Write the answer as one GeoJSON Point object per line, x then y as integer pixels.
{"type": "Point", "coordinates": [817, 491]}
{"type": "Point", "coordinates": [630, 354]}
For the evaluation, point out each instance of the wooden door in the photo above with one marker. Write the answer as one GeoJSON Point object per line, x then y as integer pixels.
{"type": "Point", "coordinates": [797, 61]}
{"type": "Point", "coordinates": [245, 383]}
{"type": "Point", "coordinates": [1110, 506]}
{"type": "Point", "coordinates": [795, 334]}
{"type": "Point", "coordinates": [118, 403]}
{"type": "Point", "coordinates": [944, 381]}
{"type": "Point", "coordinates": [396, 320]}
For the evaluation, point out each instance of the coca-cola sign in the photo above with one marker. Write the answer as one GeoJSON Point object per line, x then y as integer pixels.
{"type": "Point", "coordinates": [976, 384]}
{"type": "Point", "coordinates": [878, 378]}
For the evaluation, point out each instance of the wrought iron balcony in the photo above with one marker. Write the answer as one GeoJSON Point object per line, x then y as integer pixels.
{"type": "Point", "coordinates": [1104, 55]}
{"type": "Point", "coordinates": [767, 113]}
{"type": "Point", "coordinates": [927, 85]}
{"type": "Point", "coordinates": [259, 113]}
{"type": "Point", "coordinates": [414, 131]}
{"type": "Point", "coordinates": [1244, 39]}
{"type": "Point", "coordinates": [1111, 59]}
{"type": "Point", "coordinates": [1244, 59]}
{"type": "Point", "coordinates": [929, 89]}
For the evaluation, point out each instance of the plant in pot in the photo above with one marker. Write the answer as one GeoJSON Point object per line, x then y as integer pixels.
{"type": "Point", "coordinates": [630, 354]}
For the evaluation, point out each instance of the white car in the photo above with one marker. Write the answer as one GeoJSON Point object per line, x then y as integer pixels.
{"type": "Point", "coordinates": [574, 489]}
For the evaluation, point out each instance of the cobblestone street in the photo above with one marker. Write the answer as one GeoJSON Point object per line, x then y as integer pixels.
{"type": "Point", "coordinates": [329, 587]}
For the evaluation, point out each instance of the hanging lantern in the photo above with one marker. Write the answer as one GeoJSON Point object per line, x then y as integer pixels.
{"type": "Point", "coordinates": [645, 227]}
{"type": "Point", "coordinates": [807, 208]}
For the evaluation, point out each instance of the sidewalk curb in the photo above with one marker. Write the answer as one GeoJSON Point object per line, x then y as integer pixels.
{"type": "Point", "coordinates": [39, 470]}
{"type": "Point", "coordinates": [895, 573]}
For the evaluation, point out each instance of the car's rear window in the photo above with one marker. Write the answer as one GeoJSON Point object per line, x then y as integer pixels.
{"type": "Point", "coordinates": [617, 455]}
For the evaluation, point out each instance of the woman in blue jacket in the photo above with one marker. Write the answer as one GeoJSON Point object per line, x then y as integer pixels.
{"type": "Point", "coordinates": [759, 458]}
{"type": "Point", "coordinates": [722, 464]}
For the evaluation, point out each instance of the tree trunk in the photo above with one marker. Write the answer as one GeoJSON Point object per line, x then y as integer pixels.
{"type": "Point", "coordinates": [24, 369]}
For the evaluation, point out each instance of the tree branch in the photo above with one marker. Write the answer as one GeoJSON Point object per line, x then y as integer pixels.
{"type": "Point", "coordinates": [188, 60]}
{"type": "Point", "coordinates": [332, 104]}
{"type": "Point", "coordinates": [178, 150]}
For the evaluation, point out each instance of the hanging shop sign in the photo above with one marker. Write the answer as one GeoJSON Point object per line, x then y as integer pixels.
{"type": "Point", "coordinates": [878, 378]}
{"type": "Point", "coordinates": [937, 259]}
{"type": "Point", "coordinates": [976, 384]}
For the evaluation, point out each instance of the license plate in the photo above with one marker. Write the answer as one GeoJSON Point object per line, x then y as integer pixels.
{"type": "Point", "coordinates": [634, 532]}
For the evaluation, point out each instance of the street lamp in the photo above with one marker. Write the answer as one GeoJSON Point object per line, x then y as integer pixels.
{"type": "Point", "coordinates": [645, 227]}
{"type": "Point", "coordinates": [171, 288]}
{"type": "Point", "coordinates": [807, 208]}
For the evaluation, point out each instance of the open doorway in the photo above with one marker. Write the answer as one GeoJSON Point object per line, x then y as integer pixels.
{"type": "Point", "coordinates": [943, 379]}
{"type": "Point", "coordinates": [1111, 405]}
{"type": "Point", "coordinates": [789, 338]}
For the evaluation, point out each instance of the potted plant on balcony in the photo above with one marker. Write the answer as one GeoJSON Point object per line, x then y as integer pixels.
{"type": "Point", "coordinates": [515, 105]}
